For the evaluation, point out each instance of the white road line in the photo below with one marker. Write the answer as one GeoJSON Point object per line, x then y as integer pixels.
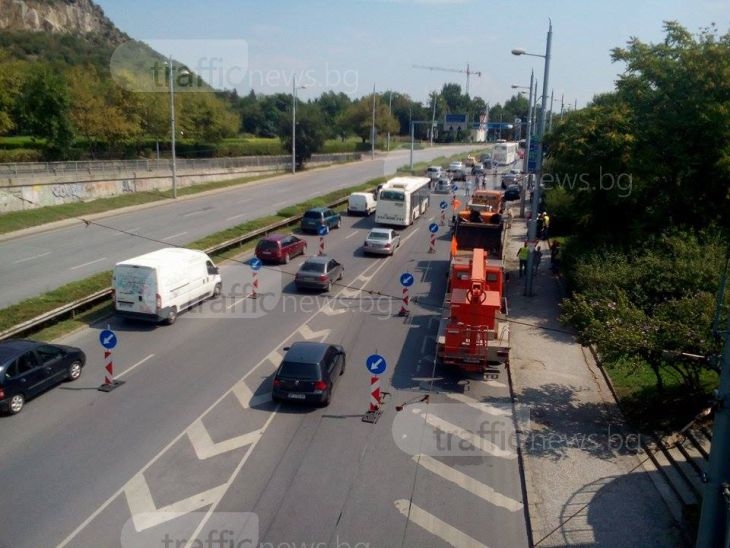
{"type": "Point", "coordinates": [235, 216]}
{"type": "Point", "coordinates": [351, 235]}
{"type": "Point", "coordinates": [437, 527]}
{"type": "Point", "coordinates": [306, 332]}
{"type": "Point", "coordinates": [278, 204]}
{"type": "Point", "coordinates": [31, 258]}
{"type": "Point", "coordinates": [475, 487]}
{"type": "Point", "coordinates": [206, 448]}
{"type": "Point", "coordinates": [470, 437]}
{"type": "Point", "coordinates": [246, 398]}
{"type": "Point", "coordinates": [487, 408]}
{"type": "Point", "coordinates": [87, 264]}
{"type": "Point", "coordinates": [140, 362]}
{"type": "Point", "coordinates": [174, 236]}
{"type": "Point", "coordinates": [193, 213]}
{"type": "Point", "coordinates": [494, 384]}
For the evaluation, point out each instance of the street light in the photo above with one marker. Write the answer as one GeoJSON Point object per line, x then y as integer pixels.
{"type": "Point", "coordinates": [525, 163]}
{"type": "Point", "coordinates": [532, 225]}
{"type": "Point", "coordinates": [172, 122]}
{"type": "Point", "coordinates": [294, 89]}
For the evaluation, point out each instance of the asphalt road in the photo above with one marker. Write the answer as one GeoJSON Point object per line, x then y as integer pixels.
{"type": "Point", "coordinates": [43, 261]}
{"type": "Point", "coordinates": [191, 448]}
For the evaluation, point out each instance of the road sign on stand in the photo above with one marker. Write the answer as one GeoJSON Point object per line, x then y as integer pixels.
{"type": "Point", "coordinates": [255, 265]}
{"type": "Point", "coordinates": [376, 366]}
{"type": "Point", "coordinates": [108, 340]}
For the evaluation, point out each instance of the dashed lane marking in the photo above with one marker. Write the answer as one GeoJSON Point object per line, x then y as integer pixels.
{"type": "Point", "coordinates": [437, 527]}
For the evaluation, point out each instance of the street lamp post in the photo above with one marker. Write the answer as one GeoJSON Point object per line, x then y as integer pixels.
{"type": "Point", "coordinates": [294, 124]}
{"type": "Point", "coordinates": [532, 225]}
{"type": "Point", "coordinates": [525, 163]}
{"type": "Point", "coordinates": [172, 129]}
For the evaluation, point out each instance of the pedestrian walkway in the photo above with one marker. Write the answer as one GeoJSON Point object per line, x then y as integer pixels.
{"type": "Point", "coordinates": [584, 479]}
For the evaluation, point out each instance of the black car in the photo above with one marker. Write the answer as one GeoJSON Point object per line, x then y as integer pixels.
{"type": "Point", "coordinates": [512, 193]}
{"type": "Point", "coordinates": [309, 372]}
{"type": "Point", "coordinates": [30, 367]}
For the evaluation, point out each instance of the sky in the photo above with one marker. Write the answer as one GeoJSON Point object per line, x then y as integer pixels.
{"type": "Point", "coordinates": [353, 46]}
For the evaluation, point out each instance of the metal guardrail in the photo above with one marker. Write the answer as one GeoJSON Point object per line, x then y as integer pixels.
{"type": "Point", "coordinates": [100, 296]}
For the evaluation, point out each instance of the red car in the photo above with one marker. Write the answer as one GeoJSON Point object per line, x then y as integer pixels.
{"type": "Point", "coordinates": [280, 248]}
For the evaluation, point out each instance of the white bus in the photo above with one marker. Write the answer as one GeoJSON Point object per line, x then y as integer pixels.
{"type": "Point", "coordinates": [505, 153]}
{"type": "Point", "coordinates": [402, 200]}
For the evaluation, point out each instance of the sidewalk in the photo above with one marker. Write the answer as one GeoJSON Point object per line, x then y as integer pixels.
{"type": "Point", "coordinates": [585, 484]}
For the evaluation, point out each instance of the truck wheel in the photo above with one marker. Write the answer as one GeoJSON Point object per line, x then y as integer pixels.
{"type": "Point", "coordinates": [171, 316]}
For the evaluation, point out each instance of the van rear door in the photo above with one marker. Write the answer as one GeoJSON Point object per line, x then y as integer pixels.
{"type": "Point", "coordinates": [135, 289]}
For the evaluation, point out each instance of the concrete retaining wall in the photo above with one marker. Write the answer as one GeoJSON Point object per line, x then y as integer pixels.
{"type": "Point", "coordinates": [40, 190]}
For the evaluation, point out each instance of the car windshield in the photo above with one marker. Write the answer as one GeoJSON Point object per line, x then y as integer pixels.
{"type": "Point", "coordinates": [302, 371]}
{"type": "Point", "coordinates": [267, 245]}
{"type": "Point", "coordinates": [313, 215]}
{"type": "Point", "coordinates": [378, 236]}
{"type": "Point", "coordinates": [312, 267]}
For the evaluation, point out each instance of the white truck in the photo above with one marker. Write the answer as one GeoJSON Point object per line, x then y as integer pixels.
{"type": "Point", "coordinates": [159, 285]}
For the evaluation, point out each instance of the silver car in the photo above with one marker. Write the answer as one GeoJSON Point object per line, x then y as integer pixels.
{"type": "Point", "coordinates": [381, 241]}
{"type": "Point", "coordinates": [318, 272]}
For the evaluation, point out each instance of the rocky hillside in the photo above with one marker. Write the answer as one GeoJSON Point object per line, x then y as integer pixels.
{"type": "Point", "coordinates": [80, 18]}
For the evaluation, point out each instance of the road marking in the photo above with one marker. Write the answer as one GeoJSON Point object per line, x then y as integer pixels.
{"type": "Point", "coordinates": [278, 204]}
{"type": "Point", "coordinates": [351, 235]}
{"type": "Point", "coordinates": [140, 362]}
{"type": "Point", "coordinates": [468, 483]}
{"type": "Point", "coordinates": [196, 212]}
{"type": "Point", "coordinates": [144, 512]}
{"type": "Point", "coordinates": [87, 264]}
{"type": "Point", "coordinates": [484, 407]}
{"type": "Point", "coordinates": [494, 384]}
{"type": "Point", "coordinates": [235, 216]}
{"type": "Point", "coordinates": [206, 448]}
{"type": "Point", "coordinates": [174, 236]}
{"type": "Point", "coordinates": [309, 335]}
{"type": "Point", "coordinates": [477, 441]}
{"type": "Point", "coordinates": [439, 528]}
{"type": "Point", "coordinates": [246, 398]}
{"type": "Point", "coordinates": [31, 258]}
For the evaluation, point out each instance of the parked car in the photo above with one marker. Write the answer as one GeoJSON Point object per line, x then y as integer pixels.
{"type": "Point", "coordinates": [309, 372]}
{"type": "Point", "coordinates": [489, 164]}
{"type": "Point", "coordinates": [361, 203]}
{"type": "Point", "coordinates": [443, 186]}
{"type": "Point", "coordinates": [478, 169]}
{"type": "Point", "coordinates": [458, 175]}
{"type": "Point", "coordinates": [381, 241]}
{"type": "Point", "coordinates": [434, 172]}
{"type": "Point", "coordinates": [453, 166]}
{"type": "Point", "coordinates": [485, 157]}
{"type": "Point", "coordinates": [30, 367]}
{"type": "Point", "coordinates": [510, 179]}
{"type": "Point", "coordinates": [280, 248]}
{"type": "Point", "coordinates": [318, 272]}
{"type": "Point", "coordinates": [512, 193]}
{"type": "Point", "coordinates": [317, 217]}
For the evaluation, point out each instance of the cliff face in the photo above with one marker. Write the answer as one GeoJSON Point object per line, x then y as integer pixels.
{"type": "Point", "coordinates": [76, 17]}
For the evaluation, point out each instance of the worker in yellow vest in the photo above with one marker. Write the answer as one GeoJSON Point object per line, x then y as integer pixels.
{"type": "Point", "coordinates": [522, 255]}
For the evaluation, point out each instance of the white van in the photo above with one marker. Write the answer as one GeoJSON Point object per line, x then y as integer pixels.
{"type": "Point", "coordinates": [159, 285]}
{"type": "Point", "coordinates": [362, 203]}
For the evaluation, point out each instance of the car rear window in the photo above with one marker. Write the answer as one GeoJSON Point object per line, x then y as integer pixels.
{"type": "Point", "coordinates": [268, 244]}
{"type": "Point", "coordinates": [302, 371]}
{"type": "Point", "coordinates": [378, 236]}
{"type": "Point", "coordinates": [313, 267]}
{"type": "Point", "coordinates": [313, 215]}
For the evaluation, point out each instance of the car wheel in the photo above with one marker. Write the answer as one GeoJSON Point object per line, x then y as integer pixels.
{"type": "Point", "coordinates": [329, 286]}
{"type": "Point", "coordinates": [304, 250]}
{"type": "Point", "coordinates": [217, 290]}
{"type": "Point", "coordinates": [171, 316]}
{"type": "Point", "coordinates": [342, 272]}
{"type": "Point", "coordinates": [74, 371]}
{"type": "Point", "coordinates": [328, 399]}
{"type": "Point", "coordinates": [339, 223]}
{"type": "Point", "coordinates": [16, 403]}
{"type": "Point", "coordinates": [286, 258]}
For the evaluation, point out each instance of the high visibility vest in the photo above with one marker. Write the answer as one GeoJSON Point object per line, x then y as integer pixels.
{"type": "Point", "coordinates": [546, 220]}
{"type": "Point", "coordinates": [523, 253]}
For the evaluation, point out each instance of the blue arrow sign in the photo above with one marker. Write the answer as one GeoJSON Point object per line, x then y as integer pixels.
{"type": "Point", "coordinates": [376, 364]}
{"type": "Point", "coordinates": [433, 228]}
{"type": "Point", "coordinates": [455, 188]}
{"type": "Point", "coordinates": [108, 339]}
{"type": "Point", "coordinates": [406, 279]}
{"type": "Point", "coordinates": [324, 229]}
{"type": "Point", "coordinates": [255, 263]}
{"type": "Point", "coordinates": [443, 204]}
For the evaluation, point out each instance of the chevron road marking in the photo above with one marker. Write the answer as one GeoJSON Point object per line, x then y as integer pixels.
{"type": "Point", "coordinates": [475, 487]}
{"type": "Point", "coordinates": [310, 335]}
{"type": "Point", "coordinates": [439, 528]}
{"type": "Point", "coordinates": [246, 398]}
{"type": "Point", "coordinates": [484, 407]}
{"type": "Point", "coordinates": [144, 512]}
{"type": "Point", "coordinates": [469, 437]}
{"type": "Point", "coordinates": [206, 448]}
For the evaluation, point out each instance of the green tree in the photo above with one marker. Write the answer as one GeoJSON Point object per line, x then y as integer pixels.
{"type": "Point", "coordinates": [358, 118]}
{"type": "Point", "coordinates": [310, 132]}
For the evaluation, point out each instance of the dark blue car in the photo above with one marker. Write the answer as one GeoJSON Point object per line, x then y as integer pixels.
{"type": "Point", "coordinates": [27, 368]}
{"type": "Point", "coordinates": [315, 218]}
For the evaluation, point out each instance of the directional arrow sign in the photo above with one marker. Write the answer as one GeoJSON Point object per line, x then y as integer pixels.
{"type": "Point", "coordinates": [455, 188]}
{"type": "Point", "coordinates": [443, 204]}
{"type": "Point", "coordinates": [376, 364]}
{"type": "Point", "coordinates": [406, 279]}
{"type": "Point", "coordinates": [433, 228]}
{"type": "Point", "coordinates": [324, 229]}
{"type": "Point", "coordinates": [108, 339]}
{"type": "Point", "coordinates": [255, 263]}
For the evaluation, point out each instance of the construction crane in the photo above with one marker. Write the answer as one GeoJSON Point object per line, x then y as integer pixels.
{"type": "Point", "coordinates": [468, 72]}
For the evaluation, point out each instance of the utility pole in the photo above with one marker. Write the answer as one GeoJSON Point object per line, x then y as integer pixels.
{"type": "Point", "coordinates": [372, 130]}
{"type": "Point", "coordinates": [526, 161]}
{"type": "Point", "coordinates": [433, 116]}
{"type": "Point", "coordinates": [390, 114]}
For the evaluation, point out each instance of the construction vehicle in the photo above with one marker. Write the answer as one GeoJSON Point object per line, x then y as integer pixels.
{"type": "Point", "coordinates": [473, 332]}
